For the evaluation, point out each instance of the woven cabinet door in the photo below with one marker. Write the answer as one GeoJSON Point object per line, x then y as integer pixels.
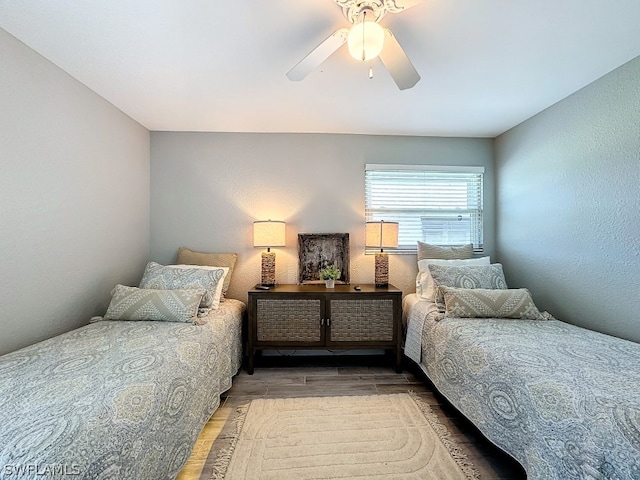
{"type": "Point", "coordinates": [288, 320]}
{"type": "Point", "coordinates": [362, 320]}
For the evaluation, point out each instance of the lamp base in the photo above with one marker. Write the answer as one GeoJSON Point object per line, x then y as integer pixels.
{"type": "Point", "coordinates": [268, 277]}
{"type": "Point", "coordinates": [382, 270]}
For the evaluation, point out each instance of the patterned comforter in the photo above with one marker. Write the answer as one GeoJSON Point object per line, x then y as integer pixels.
{"type": "Point", "coordinates": [562, 400]}
{"type": "Point", "coordinates": [115, 399]}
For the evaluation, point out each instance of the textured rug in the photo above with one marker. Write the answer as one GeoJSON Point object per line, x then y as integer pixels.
{"type": "Point", "coordinates": [351, 437]}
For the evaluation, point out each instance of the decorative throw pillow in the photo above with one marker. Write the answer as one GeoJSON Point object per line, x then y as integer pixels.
{"type": "Point", "coordinates": [190, 257]}
{"type": "Point", "coordinates": [484, 303]}
{"type": "Point", "coordinates": [426, 250]}
{"type": "Point", "coordinates": [131, 303]}
{"type": "Point", "coordinates": [425, 287]}
{"type": "Point", "coordinates": [180, 277]}
{"type": "Point", "coordinates": [472, 276]}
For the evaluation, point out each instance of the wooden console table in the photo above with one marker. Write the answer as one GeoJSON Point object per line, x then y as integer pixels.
{"type": "Point", "coordinates": [316, 317]}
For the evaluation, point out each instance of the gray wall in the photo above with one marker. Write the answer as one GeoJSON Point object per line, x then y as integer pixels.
{"type": "Point", "coordinates": [568, 197]}
{"type": "Point", "coordinates": [208, 188]}
{"type": "Point", "coordinates": [74, 196]}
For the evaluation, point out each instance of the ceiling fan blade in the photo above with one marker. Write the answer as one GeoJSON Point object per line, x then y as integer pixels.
{"type": "Point", "coordinates": [397, 63]}
{"type": "Point", "coordinates": [318, 55]}
{"type": "Point", "coordinates": [396, 6]}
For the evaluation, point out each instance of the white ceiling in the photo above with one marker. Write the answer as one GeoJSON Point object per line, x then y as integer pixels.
{"type": "Point", "coordinates": [196, 65]}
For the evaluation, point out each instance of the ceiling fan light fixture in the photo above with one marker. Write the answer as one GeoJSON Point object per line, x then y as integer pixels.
{"type": "Point", "coordinates": [365, 40]}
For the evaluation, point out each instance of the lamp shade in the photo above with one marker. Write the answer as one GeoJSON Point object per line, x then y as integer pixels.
{"type": "Point", "coordinates": [365, 40]}
{"type": "Point", "coordinates": [268, 233]}
{"type": "Point", "coordinates": [381, 234]}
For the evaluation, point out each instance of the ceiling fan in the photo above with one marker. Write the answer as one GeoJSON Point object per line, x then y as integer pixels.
{"type": "Point", "coordinates": [366, 40]}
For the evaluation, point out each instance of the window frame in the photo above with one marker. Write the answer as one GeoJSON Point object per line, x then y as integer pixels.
{"type": "Point", "coordinates": [373, 213]}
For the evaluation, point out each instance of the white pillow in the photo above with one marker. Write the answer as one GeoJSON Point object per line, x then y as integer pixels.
{"type": "Point", "coordinates": [425, 286]}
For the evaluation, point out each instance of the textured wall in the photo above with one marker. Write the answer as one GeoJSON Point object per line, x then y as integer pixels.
{"type": "Point", "coordinates": [208, 188]}
{"type": "Point", "coordinates": [568, 196]}
{"type": "Point", "coordinates": [74, 197]}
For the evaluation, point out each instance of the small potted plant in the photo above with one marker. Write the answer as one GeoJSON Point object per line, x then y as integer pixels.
{"type": "Point", "coordinates": [330, 274]}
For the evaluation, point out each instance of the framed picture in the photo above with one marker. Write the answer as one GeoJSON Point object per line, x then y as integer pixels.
{"type": "Point", "coordinates": [317, 250]}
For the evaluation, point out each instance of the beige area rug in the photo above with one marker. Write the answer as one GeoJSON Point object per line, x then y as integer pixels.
{"type": "Point", "coordinates": [352, 437]}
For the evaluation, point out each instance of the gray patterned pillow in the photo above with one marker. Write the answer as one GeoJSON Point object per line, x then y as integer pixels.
{"type": "Point", "coordinates": [131, 303]}
{"type": "Point", "coordinates": [484, 303]}
{"type": "Point", "coordinates": [476, 276]}
{"type": "Point", "coordinates": [424, 283]}
{"type": "Point", "coordinates": [180, 277]}
{"type": "Point", "coordinates": [426, 250]}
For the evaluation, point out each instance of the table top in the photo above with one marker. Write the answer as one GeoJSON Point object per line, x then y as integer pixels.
{"type": "Point", "coordinates": [320, 288]}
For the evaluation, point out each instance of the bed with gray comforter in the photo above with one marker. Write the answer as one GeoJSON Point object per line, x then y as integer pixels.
{"type": "Point", "coordinates": [115, 399]}
{"type": "Point", "coordinates": [562, 400]}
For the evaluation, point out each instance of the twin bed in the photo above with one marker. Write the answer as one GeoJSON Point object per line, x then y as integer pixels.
{"type": "Point", "coordinates": [562, 400]}
{"type": "Point", "coordinates": [116, 399]}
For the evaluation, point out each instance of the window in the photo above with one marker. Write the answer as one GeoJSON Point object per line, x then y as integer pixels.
{"type": "Point", "coordinates": [438, 205]}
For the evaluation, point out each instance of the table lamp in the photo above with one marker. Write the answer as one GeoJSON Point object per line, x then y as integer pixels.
{"type": "Point", "coordinates": [381, 234]}
{"type": "Point", "coordinates": [268, 233]}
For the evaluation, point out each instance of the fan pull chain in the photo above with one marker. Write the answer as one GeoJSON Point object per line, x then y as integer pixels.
{"type": "Point", "coordinates": [364, 19]}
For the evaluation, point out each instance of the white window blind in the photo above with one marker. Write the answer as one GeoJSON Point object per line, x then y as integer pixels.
{"type": "Point", "coordinates": [437, 205]}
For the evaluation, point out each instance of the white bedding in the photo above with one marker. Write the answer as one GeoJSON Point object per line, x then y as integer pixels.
{"type": "Point", "coordinates": [415, 312]}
